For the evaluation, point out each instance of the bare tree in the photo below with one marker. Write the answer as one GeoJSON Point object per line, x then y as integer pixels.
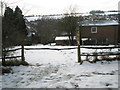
{"type": "Point", "coordinates": [69, 23]}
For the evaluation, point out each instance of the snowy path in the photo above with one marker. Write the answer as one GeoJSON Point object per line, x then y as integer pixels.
{"type": "Point", "coordinates": [59, 69]}
{"type": "Point", "coordinates": [63, 76]}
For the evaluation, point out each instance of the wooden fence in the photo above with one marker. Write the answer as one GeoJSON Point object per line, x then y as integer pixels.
{"type": "Point", "coordinates": [103, 53]}
{"type": "Point", "coordinates": [4, 52]}
{"type": "Point", "coordinates": [82, 54]}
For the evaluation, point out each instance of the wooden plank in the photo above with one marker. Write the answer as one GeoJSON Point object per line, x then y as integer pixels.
{"type": "Point", "coordinates": [11, 57]}
{"type": "Point", "coordinates": [49, 48]}
{"type": "Point", "coordinates": [12, 50]}
{"type": "Point", "coordinates": [101, 47]}
{"type": "Point", "coordinates": [109, 54]}
{"type": "Point", "coordinates": [69, 48]}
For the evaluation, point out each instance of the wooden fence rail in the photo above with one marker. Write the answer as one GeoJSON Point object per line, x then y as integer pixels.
{"type": "Point", "coordinates": [83, 54]}
{"type": "Point", "coordinates": [112, 47]}
{"type": "Point", "coordinates": [71, 48]}
{"type": "Point", "coordinates": [12, 50]}
{"type": "Point", "coordinates": [97, 54]}
{"type": "Point", "coordinates": [12, 57]}
{"type": "Point", "coordinates": [49, 48]}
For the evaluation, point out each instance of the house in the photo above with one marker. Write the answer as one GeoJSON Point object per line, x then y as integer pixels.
{"type": "Point", "coordinates": [63, 40]}
{"type": "Point", "coordinates": [100, 32]}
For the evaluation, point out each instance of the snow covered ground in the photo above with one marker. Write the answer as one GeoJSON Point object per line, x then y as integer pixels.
{"type": "Point", "coordinates": [59, 69]}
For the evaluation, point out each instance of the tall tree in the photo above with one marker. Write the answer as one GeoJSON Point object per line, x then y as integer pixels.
{"type": "Point", "coordinates": [7, 27]}
{"type": "Point", "coordinates": [19, 26]}
{"type": "Point", "coordinates": [69, 24]}
{"type": "Point", "coordinates": [13, 27]}
{"type": "Point", "coordinates": [46, 29]}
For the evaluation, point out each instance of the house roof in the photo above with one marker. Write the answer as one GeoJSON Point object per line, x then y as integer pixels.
{"type": "Point", "coordinates": [99, 23]}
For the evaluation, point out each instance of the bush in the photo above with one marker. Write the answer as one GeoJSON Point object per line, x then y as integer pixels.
{"type": "Point", "coordinates": [107, 58]}
{"type": "Point", "coordinates": [5, 70]}
{"type": "Point", "coordinates": [15, 63]}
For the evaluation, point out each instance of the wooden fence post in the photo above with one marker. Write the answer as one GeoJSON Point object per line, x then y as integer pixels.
{"type": "Point", "coordinates": [3, 56]}
{"type": "Point", "coordinates": [22, 53]}
{"type": "Point", "coordinates": [79, 56]}
{"type": "Point", "coordinates": [78, 44]}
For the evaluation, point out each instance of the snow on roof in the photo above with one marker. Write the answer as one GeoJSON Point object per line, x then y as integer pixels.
{"type": "Point", "coordinates": [84, 39]}
{"type": "Point", "coordinates": [99, 23]}
{"type": "Point", "coordinates": [63, 38]}
{"type": "Point", "coordinates": [32, 18]}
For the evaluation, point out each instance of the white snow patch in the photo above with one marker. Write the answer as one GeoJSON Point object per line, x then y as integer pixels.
{"type": "Point", "coordinates": [59, 69]}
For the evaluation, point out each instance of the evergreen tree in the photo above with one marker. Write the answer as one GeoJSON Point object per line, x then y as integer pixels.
{"type": "Point", "coordinates": [14, 28]}
{"type": "Point", "coordinates": [19, 26]}
{"type": "Point", "coordinates": [7, 27]}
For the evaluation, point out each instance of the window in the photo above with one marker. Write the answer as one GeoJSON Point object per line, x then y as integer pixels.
{"type": "Point", "coordinates": [93, 29]}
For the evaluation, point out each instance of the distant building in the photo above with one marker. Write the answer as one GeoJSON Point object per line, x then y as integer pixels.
{"type": "Point", "coordinates": [63, 40]}
{"type": "Point", "coordinates": [100, 32]}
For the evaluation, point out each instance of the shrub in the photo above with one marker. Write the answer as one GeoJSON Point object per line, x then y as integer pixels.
{"type": "Point", "coordinates": [5, 70]}
{"type": "Point", "coordinates": [107, 58]}
{"type": "Point", "coordinates": [15, 63]}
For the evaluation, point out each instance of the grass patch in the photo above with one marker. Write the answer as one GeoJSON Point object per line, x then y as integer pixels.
{"type": "Point", "coordinates": [15, 63]}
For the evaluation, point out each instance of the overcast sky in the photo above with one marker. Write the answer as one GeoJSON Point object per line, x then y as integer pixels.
{"type": "Point", "coordinates": [43, 7]}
